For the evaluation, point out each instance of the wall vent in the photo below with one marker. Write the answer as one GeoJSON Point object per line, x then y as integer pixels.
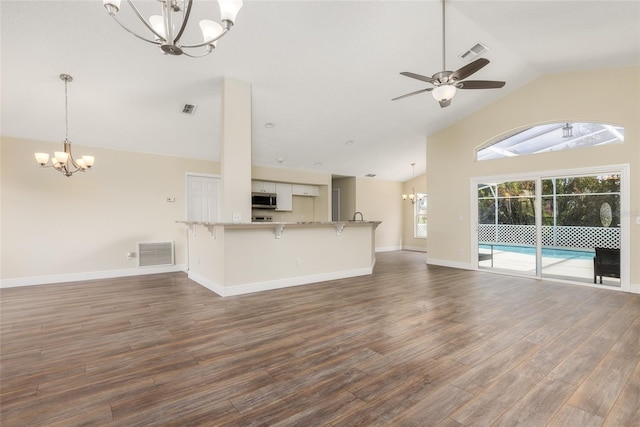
{"type": "Point", "coordinates": [474, 52]}
{"type": "Point", "coordinates": [189, 109]}
{"type": "Point", "coordinates": [155, 253]}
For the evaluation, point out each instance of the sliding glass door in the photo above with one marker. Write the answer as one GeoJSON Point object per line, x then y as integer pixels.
{"type": "Point", "coordinates": [507, 226]}
{"type": "Point", "coordinates": [580, 214]}
{"type": "Point", "coordinates": [552, 227]}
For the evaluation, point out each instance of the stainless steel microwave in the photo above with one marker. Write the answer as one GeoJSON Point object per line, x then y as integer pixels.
{"type": "Point", "coordinates": [263, 200]}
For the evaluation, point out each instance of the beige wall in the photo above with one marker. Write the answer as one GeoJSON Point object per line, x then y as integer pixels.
{"type": "Point", "coordinates": [235, 151]}
{"type": "Point", "coordinates": [378, 201]}
{"type": "Point", "coordinates": [419, 184]}
{"type": "Point", "coordinates": [347, 188]}
{"type": "Point", "coordinates": [54, 225]}
{"type": "Point", "coordinates": [611, 95]}
{"type": "Point", "coordinates": [382, 201]}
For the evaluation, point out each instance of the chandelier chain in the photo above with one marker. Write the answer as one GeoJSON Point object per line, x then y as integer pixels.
{"type": "Point", "coordinates": [66, 112]}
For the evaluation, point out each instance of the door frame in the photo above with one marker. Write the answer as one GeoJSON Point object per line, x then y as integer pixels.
{"type": "Point", "coordinates": [538, 176]}
{"type": "Point", "coordinates": [186, 208]}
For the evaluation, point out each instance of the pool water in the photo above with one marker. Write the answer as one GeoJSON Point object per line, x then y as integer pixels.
{"type": "Point", "coordinates": [546, 252]}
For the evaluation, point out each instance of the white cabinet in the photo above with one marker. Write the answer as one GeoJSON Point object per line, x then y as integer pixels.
{"type": "Point", "coordinates": [284, 197]}
{"type": "Point", "coordinates": [263, 187]}
{"type": "Point", "coordinates": [305, 190]}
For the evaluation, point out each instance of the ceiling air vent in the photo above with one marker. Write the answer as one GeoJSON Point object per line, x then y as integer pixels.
{"type": "Point", "coordinates": [474, 52]}
{"type": "Point", "coordinates": [189, 109]}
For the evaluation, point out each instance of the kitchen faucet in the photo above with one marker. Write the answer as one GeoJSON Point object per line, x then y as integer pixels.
{"type": "Point", "coordinates": [361, 217]}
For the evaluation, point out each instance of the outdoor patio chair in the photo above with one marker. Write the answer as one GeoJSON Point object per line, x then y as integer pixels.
{"type": "Point", "coordinates": [606, 263]}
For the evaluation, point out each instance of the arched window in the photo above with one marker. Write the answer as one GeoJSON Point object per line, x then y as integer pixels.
{"type": "Point", "coordinates": [551, 137]}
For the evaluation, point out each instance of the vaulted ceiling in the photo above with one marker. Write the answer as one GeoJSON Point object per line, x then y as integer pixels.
{"type": "Point", "coordinates": [324, 72]}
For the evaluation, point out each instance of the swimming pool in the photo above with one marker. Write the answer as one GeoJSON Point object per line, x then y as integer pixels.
{"type": "Point", "coordinates": [546, 252]}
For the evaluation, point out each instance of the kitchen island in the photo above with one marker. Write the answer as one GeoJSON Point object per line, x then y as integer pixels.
{"type": "Point", "coordinates": [239, 258]}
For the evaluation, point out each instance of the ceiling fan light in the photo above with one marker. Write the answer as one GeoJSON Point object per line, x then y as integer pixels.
{"type": "Point", "coordinates": [444, 92]}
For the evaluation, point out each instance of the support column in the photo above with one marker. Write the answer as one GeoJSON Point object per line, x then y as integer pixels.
{"type": "Point", "coordinates": [235, 151]}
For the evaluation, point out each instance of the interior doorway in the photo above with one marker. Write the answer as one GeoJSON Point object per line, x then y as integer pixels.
{"type": "Point", "coordinates": [203, 198]}
{"type": "Point", "coordinates": [335, 204]}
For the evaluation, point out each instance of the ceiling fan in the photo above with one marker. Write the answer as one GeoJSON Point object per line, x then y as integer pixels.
{"type": "Point", "coordinates": [447, 82]}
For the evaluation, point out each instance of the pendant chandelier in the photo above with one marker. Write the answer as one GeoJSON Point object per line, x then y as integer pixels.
{"type": "Point", "coordinates": [413, 196]}
{"type": "Point", "coordinates": [63, 160]}
{"type": "Point", "coordinates": [175, 14]}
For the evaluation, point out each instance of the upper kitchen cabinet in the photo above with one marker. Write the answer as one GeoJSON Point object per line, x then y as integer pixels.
{"type": "Point", "coordinates": [263, 187]}
{"type": "Point", "coordinates": [284, 197]}
{"type": "Point", "coordinates": [306, 190]}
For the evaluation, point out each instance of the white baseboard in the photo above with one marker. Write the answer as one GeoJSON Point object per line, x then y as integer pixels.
{"type": "Point", "coordinates": [414, 248]}
{"type": "Point", "coordinates": [388, 248]}
{"type": "Point", "coordinates": [89, 275]}
{"type": "Point", "coordinates": [634, 288]}
{"type": "Point", "coordinates": [225, 291]}
{"type": "Point", "coordinates": [448, 263]}
{"type": "Point", "coordinates": [209, 284]}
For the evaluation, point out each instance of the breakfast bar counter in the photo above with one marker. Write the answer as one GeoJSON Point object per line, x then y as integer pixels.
{"type": "Point", "coordinates": [239, 258]}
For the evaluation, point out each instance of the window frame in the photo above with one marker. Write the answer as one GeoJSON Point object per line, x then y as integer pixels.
{"type": "Point", "coordinates": [421, 199]}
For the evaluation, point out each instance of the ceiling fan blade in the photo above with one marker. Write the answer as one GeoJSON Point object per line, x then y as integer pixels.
{"type": "Point", "coordinates": [445, 103]}
{"type": "Point", "coordinates": [480, 84]}
{"type": "Point", "coordinates": [414, 93]}
{"type": "Point", "coordinates": [418, 76]}
{"type": "Point", "coordinates": [467, 70]}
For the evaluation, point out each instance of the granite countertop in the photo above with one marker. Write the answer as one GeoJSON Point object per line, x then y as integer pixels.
{"type": "Point", "coordinates": [275, 223]}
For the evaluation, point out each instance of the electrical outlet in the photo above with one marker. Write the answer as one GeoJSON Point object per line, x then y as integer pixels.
{"type": "Point", "coordinates": [298, 262]}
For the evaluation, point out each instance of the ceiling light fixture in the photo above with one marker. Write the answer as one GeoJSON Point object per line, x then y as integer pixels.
{"type": "Point", "coordinates": [63, 160]}
{"type": "Point", "coordinates": [444, 92]}
{"type": "Point", "coordinates": [163, 27]}
{"type": "Point", "coordinates": [413, 196]}
{"type": "Point", "coordinates": [269, 125]}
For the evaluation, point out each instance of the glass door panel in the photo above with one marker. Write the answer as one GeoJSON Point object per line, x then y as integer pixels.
{"type": "Point", "coordinates": [579, 214]}
{"type": "Point", "coordinates": [507, 226]}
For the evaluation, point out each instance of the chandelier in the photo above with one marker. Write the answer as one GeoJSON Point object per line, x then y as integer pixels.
{"type": "Point", "coordinates": [175, 13]}
{"type": "Point", "coordinates": [413, 196]}
{"type": "Point", "coordinates": [63, 160]}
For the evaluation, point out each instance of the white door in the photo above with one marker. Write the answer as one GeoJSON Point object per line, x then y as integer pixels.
{"type": "Point", "coordinates": [203, 198]}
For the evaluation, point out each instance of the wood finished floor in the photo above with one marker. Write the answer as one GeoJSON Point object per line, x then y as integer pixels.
{"type": "Point", "coordinates": [411, 345]}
